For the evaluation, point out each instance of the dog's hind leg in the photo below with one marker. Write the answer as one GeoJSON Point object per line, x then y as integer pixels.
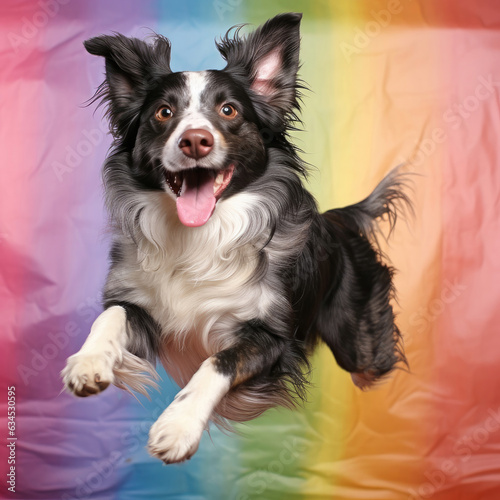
{"type": "Point", "coordinates": [360, 329]}
{"type": "Point", "coordinates": [356, 319]}
{"type": "Point", "coordinates": [110, 355]}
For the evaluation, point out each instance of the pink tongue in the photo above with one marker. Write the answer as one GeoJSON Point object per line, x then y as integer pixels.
{"type": "Point", "coordinates": [196, 203]}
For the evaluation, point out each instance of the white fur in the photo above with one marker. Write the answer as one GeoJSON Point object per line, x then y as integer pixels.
{"type": "Point", "coordinates": [197, 81]}
{"type": "Point", "coordinates": [193, 118]}
{"type": "Point", "coordinates": [190, 279]}
{"type": "Point", "coordinates": [176, 434]}
{"type": "Point", "coordinates": [196, 282]}
{"type": "Point", "coordinates": [101, 352]}
{"type": "Point", "coordinates": [104, 359]}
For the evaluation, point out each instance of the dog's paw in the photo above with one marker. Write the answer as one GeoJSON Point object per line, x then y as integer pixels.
{"type": "Point", "coordinates": [87, 374]}
{"type": "Point", "coordinates": [175, 436]}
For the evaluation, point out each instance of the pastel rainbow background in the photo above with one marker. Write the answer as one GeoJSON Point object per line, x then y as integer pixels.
{"type": "Point", "coordinates": [392, 81]}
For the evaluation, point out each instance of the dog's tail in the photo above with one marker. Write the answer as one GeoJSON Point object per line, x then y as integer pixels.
{"type": "Point", "coordinates": [388, 200]}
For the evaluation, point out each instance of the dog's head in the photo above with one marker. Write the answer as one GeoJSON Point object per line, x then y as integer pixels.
{"type": "Point", "coordinates": [201, 136]}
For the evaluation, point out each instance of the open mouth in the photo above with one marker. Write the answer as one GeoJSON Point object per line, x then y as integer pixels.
{"type": "Point", "coordinates": [197, 191]}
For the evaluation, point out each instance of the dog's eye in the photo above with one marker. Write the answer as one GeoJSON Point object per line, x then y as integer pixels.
{"type": "Point", "coordinates": [228, 111]}
{"type": "Point", "coordinates": [164, 113]}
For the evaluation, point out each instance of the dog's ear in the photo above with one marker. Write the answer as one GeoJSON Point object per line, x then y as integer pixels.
{"type": "Point", "coordinates": [131, 66]}
{"type": "Point", "coordinates": [267, 60]}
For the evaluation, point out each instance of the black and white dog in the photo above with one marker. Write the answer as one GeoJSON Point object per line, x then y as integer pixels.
{"type": "Point", "coordinates": [221, 265]}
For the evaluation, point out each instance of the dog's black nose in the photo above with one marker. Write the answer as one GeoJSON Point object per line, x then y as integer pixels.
{"type": "Point", "coordinates": [196, 143]}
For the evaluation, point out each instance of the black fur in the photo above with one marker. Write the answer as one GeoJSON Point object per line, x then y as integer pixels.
{"type": "Point", "coordinates": [331, 283]}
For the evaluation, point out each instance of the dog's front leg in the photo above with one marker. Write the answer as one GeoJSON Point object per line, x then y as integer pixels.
{"type": "Point", "coordinates": [90, 370]}
{"type": "Point", "coordinates": [175, 436]}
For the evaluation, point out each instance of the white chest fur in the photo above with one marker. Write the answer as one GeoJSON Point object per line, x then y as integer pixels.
{"type": "Point", "coordinates": [197, 280]}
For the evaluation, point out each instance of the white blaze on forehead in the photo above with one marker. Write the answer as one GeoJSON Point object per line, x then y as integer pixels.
{"type": "Point", "coordinates": [193, 117]}
{"type": "Point", "coordinates": [196, 83]}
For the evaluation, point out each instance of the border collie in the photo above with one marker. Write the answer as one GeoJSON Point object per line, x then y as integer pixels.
{"type": "Point", "coordinates": [221, 264]}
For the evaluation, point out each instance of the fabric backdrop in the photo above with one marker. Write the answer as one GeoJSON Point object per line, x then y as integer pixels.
{"type": "Point", "coordinates": [392, 81]}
